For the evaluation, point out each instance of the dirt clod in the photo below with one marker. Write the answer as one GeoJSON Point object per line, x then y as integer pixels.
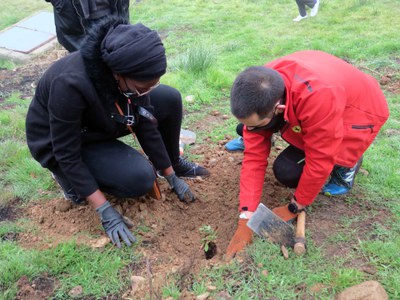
{"type": "Point", "coordinates": [369, 269]}
{"type": "Point", "coordinates": [136, 281]}
{"type": "Point", "coordinates": [76, 291]}
{"type": "Point", "coordinates": [223, 296]}
{"type": "Point", "coordinates": [203, 296]}
{"type": "Point", "coordinates": [316, 288]}
{"type": "Point", "coordinates": [100, 242]}
{"type": "Point", "coordinates": [371, 290]}
{"type": "Point", "coordinates": [211, 288]}
{"type": "Point", "coordinates": [63, 206]}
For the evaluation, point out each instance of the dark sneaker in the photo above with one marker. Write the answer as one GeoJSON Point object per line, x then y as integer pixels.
{"type": "Point", "coordinates": [185, 168]}
{"type": "Point", "coordinates": [342, 180]}
{"type": "Point", "coordinates": [68, 192]}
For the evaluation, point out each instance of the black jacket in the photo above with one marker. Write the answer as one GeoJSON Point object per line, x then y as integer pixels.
{"type": "Point", "coordinates": [73, 17]}
{"type": "Point", "coordinates": [74, 105]}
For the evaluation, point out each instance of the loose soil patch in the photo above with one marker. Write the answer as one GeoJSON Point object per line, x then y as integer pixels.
{"type": "Point", "coordinates": [39, 288]}
{"type": "Point", "coordinates": [23, 79]}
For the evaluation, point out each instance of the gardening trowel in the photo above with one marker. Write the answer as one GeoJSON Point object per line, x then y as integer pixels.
{"type": "Point", "coordinates": [269, 226]}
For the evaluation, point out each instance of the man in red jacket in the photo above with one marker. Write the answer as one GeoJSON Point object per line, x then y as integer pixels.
{"type": "Point", "coordinates": [327, 110]}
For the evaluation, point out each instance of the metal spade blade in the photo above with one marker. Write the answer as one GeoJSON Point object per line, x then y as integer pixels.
{"type": "Point", "coordinates": [268, 225]}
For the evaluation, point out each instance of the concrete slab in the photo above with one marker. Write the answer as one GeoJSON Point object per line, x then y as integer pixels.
{"type": "Point", "coordinates": [42, 22]}
{"type": "Point", "coordinates": [28, 37]}
{"type": "Point", "coordinates": [23, 40]}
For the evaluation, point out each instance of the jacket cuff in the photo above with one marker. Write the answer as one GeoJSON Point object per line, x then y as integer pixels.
{"type": "Point", "coordinates": [302, 201]}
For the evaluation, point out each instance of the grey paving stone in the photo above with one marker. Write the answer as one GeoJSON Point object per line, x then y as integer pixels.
{"type": "Point", "coordinates": [23, 40]}
{"type": "Point", "coordinates": [43, 22]}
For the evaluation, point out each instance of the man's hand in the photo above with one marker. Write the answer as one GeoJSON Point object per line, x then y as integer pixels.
{"type": "Point", "coordinates": [284, 213]}
{"type": "Point", "coordinates": [114, 225]}
{"type": "Point", "coordinates": [180, 188]}
{"type": "Point", "coordinates": [242, 237]}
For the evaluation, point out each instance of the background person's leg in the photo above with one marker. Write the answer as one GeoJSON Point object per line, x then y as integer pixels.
{"type": "Point", "coordinates": [288, 166]}
{"type": "Point", "coordinates": [302, 7]}
{"type": "Point", "coordinates": [314, 8]}
{"type": "Point", "coordinates": [310, 3]}
{"type": "Point", "coordinates": [119, 169]}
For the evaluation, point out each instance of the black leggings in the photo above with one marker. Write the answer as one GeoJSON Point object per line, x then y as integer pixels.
{"type": "Point", "coordinates": [168, 111]}
{"type": "Point", "coordinates": [301, 4]}
{"type": "Point", "coordinates": [121, 170]}
{"type": "Point", "coordinates": [288, 166]}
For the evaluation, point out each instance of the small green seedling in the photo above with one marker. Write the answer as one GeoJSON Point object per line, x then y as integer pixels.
{"type": "Point", "coordinates": [209, 236]}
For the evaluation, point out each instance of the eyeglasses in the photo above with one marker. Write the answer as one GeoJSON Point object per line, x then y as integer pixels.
{"type": "Point", "coordinates": [135, 93]}
{"type": "Point", "coordinates": [146, 92]}
{"type": "Point", "coordinates": [270, 124]}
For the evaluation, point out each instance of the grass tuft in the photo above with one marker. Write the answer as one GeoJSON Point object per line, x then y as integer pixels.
{"type": "Point", "coordinates": [196, 59]}
{"type": "Point", "coordinates": [171, 289]}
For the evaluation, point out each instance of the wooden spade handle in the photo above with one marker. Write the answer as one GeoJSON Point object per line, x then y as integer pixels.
{"type": "Point", "coordinates": [300, 245]}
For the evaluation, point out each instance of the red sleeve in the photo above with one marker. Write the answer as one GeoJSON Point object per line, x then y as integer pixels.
{"type": "Point", "coordinates": [255, 161]}
{"type": "Point", "coordinates": [321, 118]}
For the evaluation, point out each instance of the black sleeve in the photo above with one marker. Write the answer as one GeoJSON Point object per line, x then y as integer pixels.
{"type": "Point", "coordinates": [66, 106]}
{"type": "Point", "coordinates": [150, 138]}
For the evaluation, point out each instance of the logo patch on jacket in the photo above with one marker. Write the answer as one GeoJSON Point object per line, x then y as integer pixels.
{"type": "Point", "coordinates": [296, 129]}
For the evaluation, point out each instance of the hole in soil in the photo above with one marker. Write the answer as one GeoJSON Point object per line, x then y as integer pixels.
{"type": "Point", "coordinates": [212, 250]}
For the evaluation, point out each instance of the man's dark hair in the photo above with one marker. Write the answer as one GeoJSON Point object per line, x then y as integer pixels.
{"type": "Point", "coordinates": [256, 90]}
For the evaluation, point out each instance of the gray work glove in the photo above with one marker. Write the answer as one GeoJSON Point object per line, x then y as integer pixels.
{"type": "Point", "coordinates": [114, 225]}
{"type": "Point", "coordinates": [180, 188]}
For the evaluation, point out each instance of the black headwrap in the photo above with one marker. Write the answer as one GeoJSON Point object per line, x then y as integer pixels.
{"type": "Point", "coordinates": [134, 51]}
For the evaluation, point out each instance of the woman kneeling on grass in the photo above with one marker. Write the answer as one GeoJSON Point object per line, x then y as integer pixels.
{"type": "Point", "coordinates": [88, 99]}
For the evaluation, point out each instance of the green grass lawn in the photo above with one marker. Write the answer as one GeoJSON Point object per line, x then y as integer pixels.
{"type": "Point", "coordinates": [208, 43]}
